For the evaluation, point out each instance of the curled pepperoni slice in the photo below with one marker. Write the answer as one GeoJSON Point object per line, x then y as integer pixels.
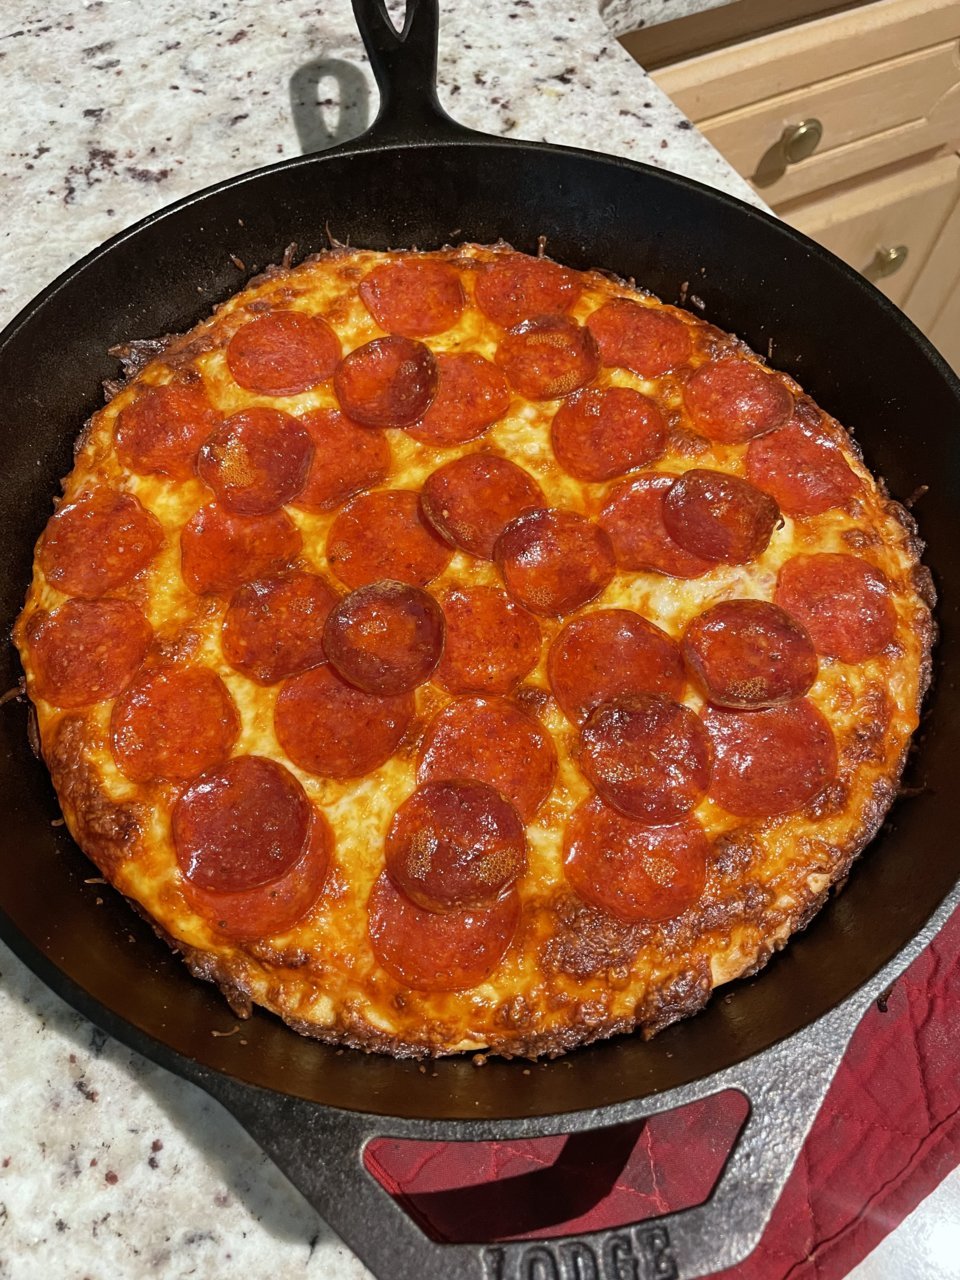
{"type": "Point", "coordinates": [803, 470]}
{"type": "Point", "coordinates": [770, 761]}
{"type": "Point", "coordinates": [98, 543]}
{"type": "Point", "coordinates": [386, 637]}
{"type": "Point", "coordinates": [346, 459]}
{"type": "Point", "coordinates": [490, 740]}
{"type": "Point", "coordinates": [173, 722]}
{"type": "Point", "coordinates": [283, 353]}
{"type": "Point", "coordinates": [749, 653]}
{"type": "Point", "coordinates": [517, 287]}
{"type": "Point", "coordinates": [548, 358]}
{"type": "Point", "coordinates": [384, 535]}
{"type": "Point", "coordinates": [633, 518]}
{"type": "Point", "coordinates": [648, 757]}
{"type": "Point", "coordinates": [332, 729]}
{"type": "Point", "coordinates": [844, 603]}
{"type": "Point", "coordinates": [472, 394]}
{"type": "Point", "coordinates": [646, 340]}
{"type": "Point", "coordinates": [599, 434]}
{"type": "Point", "coordinates": [455, 844]}
{"type": "Point", "coordinates": [491, 642]}
{"type": "Point", "coordinates": [161, 431]}
{"type": "Point", "coordinates": [219, 551]}
{"type": "Point", "coordinates": [413, 296]}
{"type": "Point", "coordinates": [634, 871]}
{"type": "Point", "coordinates": [470, 500]}
{"type": "Point", "coordinates": [273, 627]}
{"type": "Point", "coordinates": [439, 950]}
{"type": "Point", "coordinates": [389, 382]}
{"type": "Point", "coordinates": [256, 461]}
{"type": "Point", "coordinates": [734, 400]}
{"type": "Point", "coordinates": [719, 516]}
{"type": "Point", "coordinates": [607, 655]}
{"type": "Point", "coordinates": [86, 650]}
{"type": "Point", "coordinates": [554, 561]}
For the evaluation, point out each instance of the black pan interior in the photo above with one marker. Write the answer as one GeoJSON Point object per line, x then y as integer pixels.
{"type": "Point", "coordinates": [849, 348]}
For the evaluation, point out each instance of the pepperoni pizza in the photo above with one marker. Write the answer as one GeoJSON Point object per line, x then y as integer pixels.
{"type": "Point", "coordinates": [455, 651]}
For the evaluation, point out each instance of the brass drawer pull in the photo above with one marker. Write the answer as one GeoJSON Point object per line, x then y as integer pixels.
{"type": "Point", "coordinates": [886, 261]}
{"type": "Point", "coordinates": [797, 142]}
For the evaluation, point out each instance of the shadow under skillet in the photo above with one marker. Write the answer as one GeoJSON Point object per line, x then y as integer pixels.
{"type": "Point", "coordinates": [330, 103]}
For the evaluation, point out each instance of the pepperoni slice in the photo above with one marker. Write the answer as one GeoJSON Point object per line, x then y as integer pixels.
{"type": "Point", "coordinates": [734, 400]}
{"type": "Point", "coordinates": [332, 729]}
{"type": "Point", "coordinates": [491, 642]}
{"type": "Point", "coordinates": [646, 340]}
{"type": "Point", "coordinates": [173, 722]}
{"type": "Point", "coordinates": [472, 394]}
{"type": "Point", "coordinates": [256, 461]}
{"type": "Point", "coordinates": [413, 296]}
{"type": "Point", "coordinates": [386, 637]}
{"type": "Point", "coordinates": [384, 535]}
{"type": "Point", "coordinates": [283, 353]}
{"type": "Point", "coordinates": [516, 287]}
{"type": "Point", "coordinates": [770, 761]}
{"type": "Point", "coordinates": [455, 844]}
{"type": "Point", "coordinates": [648, 757]}
{"type": "Point", "coordinates": [719, 516]}
{"type": "Point", "coordinates": [273, 627]}
{"type": "Point", "coordinates": [470, 500]}
{"type": "Point", "coordinates": [844, 603]}
{"type": "Point", "coordinates": [161, 431]}
{"type": "Point", "coordinates": [86, 650]}
{"type": "Point", "coordinates": [219, 551]}
{"type": "Point", "coordinates": [548, 358]}
{"type": "Point", "coordinates": [389, 382]}
{"type": "Point", "coordinates": [749, 653]}
{"type": "Point", "coordinates": [490, 740]}
{"type": "Point", "coordinates": [599, 434]}
{"type": "Point", "coordinates": [633, 518]}
{"type": "Point", "coordinates": [439, 950]}
{"type": "Point", "coordinates": [346, 459]}
{"type": "Point", "coordinates": [607, 655]}
{"type": "Point", "coordinates": [554, 561]}
{"type": "Point", "coordinates": [634, 871]}
{"type": "Point", "coordinates": [803, 470]}
{"type": "Point", "coordinates": [98, 543]}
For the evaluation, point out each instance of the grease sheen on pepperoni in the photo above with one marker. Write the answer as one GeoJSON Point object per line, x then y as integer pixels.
{"type": "Point", "coordinates": [516, 287]}
{"type": "Point", "coordinates": [719, 516]}
{"type": "Point", "coordinates": [547, 358]}
{"type": "Point", "coordinates": [553, 561]}
{"type": "Point", "coordinates": [346, 459]}
{"type": "Point", "coordinates": [601, 433]}
{"type": "Point", "coordinates": [389, 382]}
{"type": "Point", "coordinates": [634, 871]}
{"type": "Point", "coordinates": [283, 353]}
{"type": "Point", "coordinates": [491, 642]}
{"type": "Point", "coordinates": [734, 400]}
{"type": "Point", "coordinates": [770, 761]}
{"type": "Point", "coordinates": [220, 550]}
{"type": "Point", "coordinates": [97, 543]}
{"type": "Point", "coordinates": [803, 470]}
{"type": "Point", "coordinates": [647, 756]}
{"type": "Point", "coordinates": [273, 627]}
{"type": "Point", "coordinates": [384, 535]}
{"type": "Point", "coordinates": [173, 722]}
{"type": "Point", "coordinates": [643, 339]}
{"type": "Point", "coordinates": [455, 844]}
{"type": "Point", "coordinates": [414, 297]}
{"type": "Point", "coordinates": [439, 950]}
{"type": "Point", "coordinates": [386, 637]}
{"type": "Point", "coordinates": [160, 432]}
{"type": "Point", "coordinates": [332, 729]}
{"type": "Point", "coordinates": [749, 653]}
{"type": "Point", "coordinates": [633, 519]}
{"type": "Point", "coordinates": [472, 394]}
{"type": "Point", "coordinates": [256, 461]}
{"type": "Point", "coordinates": [610, 654]}
{"type": "Point", "coordinates": [86, 650]}
{"type": "Point", "coordinates": [845, 603]}
{"type": "Point", "coordinates": [490, 740]}
{"type": "Point", "coordinates": [470, 500]}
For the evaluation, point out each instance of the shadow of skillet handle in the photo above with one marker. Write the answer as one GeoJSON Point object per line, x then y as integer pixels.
{"type": "Point", "coordinates": [349, 93]}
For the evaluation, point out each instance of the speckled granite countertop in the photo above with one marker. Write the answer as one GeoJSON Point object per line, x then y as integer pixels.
{"type": "Point", "coordinates": [111, 1169]}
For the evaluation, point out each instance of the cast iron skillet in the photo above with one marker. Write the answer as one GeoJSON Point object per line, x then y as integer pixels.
{"type": "Point", "coordinates": [416, 178]}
